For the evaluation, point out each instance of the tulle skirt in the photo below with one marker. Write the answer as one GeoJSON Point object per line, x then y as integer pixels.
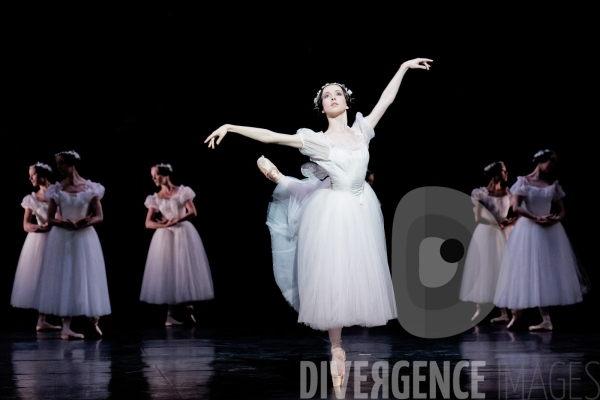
{"type": "Point", "coordinates": [483, 264]}
{"type": "Point", "coordinates": [329, 254]}
{"type": "Point", "coordinates": [540, 268]}
{"type": "Point", "coordinates": [28, 270]}
{"type": "Point", "coordinates": [177, 268]}
{"type": "Point", "coordinates": [73, 276]}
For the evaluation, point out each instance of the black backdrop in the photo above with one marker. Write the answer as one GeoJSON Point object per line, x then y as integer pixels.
{"type": "Point", "coordinates": [128, 88]}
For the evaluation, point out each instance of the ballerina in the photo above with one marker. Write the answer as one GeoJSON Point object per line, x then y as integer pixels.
{"type": "Point", "coordinates": [486, 250]}
{"type": "Point", "coordinates": [30, 260]}
{"type": "Point", "coordinates": [177, 269]}
{"type": "Point", "coordinates": [540, 269]}
{"type": "Point", "coordinates": [338, 274]}
{"type": "Point", "coordinates": [73, 277]}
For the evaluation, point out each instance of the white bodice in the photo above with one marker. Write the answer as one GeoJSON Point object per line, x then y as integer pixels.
{"type": "Point", "coordinates": [173, 207]}
{"type": "Point", "coordinates": [537, 200]}
{"type": "Point", "coordinates": [75, 206]}
{"type": "Point", "coordinates": [497, 206]}
{"type": "Point", "coordinates": [38, 208]}
{"type": "Point", "coordinates": [346, 166]}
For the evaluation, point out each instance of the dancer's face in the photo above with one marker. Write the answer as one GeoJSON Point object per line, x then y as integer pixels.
{"type": "Point", "coordinates": [503, 173]}
{"type": "Point", "coordinates": [156, 177]}
{"type": "Point", "coordinates": [334, 101]}
{"type": "Point", "coordinates": [550, 165]}
{"type": "Point", "coordinates": [62, 166]}
{"type": "Point", "coordinates": [34, 178]}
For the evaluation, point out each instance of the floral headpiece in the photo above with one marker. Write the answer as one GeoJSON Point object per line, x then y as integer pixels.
{"type": "Point", "coordinates": [42, 165]}
{"type": "Point", "coordinates": [486, 169]}
{"type": "Point", "coordinates": [167, 166]}
{"type": "Point", "coordinates": [70, 152]}
{"type": "Point", "coordinates": [316, 99]}
{"type": "Point", "coordinates": [539, 153]}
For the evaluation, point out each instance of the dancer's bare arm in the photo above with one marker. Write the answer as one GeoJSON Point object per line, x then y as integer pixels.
{"type": "Point", "coordinates": [262, 135]}
{"type": "Point", "coordinates": [390, 92]}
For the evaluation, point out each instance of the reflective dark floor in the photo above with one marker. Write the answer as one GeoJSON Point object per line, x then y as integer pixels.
{"type": "Point", "coordinates": [248, 363]}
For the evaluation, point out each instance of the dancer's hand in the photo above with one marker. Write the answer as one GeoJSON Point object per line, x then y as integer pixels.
{"type": "Point", "coordinates": [418, 63]}
{"type": "Point", "coordinates": [42, 228]}
{"type": "Point", "coordinates": [83, 221]}
{"type": "Point", "coordinates": [219, 134]}
{"type": "Point", "coordinates": [172, 222]}
{"type": "Point", "coordinates": [68, 225]}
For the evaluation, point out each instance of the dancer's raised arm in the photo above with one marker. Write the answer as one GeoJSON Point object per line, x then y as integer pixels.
{"type": "Point", "coordinates": [389, 94]}
{"type": "Point", "coordinates": [262, 135]}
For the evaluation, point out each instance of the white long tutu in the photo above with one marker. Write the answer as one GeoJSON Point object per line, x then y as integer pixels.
{"type": "Point", "coordinates": [482, 266]}
{"type": "Point", "coordinates": [177, 268]}
{"type": "Point", "coordinates": [540, 268]}
{"type": "Point", "coordinates": [73, 277]}
{"type": "Point", "coordinates": [486, 249]}
{"type": "Point", "coordinates": [28, 270]}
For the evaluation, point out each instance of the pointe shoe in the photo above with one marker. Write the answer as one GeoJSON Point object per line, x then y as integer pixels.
{"type": "Point", "coordinates": [191, 310]}
{"type": "Point", "coordinates": [44, 326]}
{"type": "Point", "coordinates": [68, 334]}
{"type": "Point", "coordinates": [269, 169]}
{"type": "Point", "coordinates": [172, 321]}
{"type": "Point", "coordinates": [502, 318]}
{"type": "Point", "coordinates": [475, 315]}
{"type": "Point", "coordinates": [512, 323]}
{"type": "Point", "coordinates": [544, 326]}
{"type": "Point", "coordinates": [96, 327]}
{"type": "Point", "coordinates": [337, 374]}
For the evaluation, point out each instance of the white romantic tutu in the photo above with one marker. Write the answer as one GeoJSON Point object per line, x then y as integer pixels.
{"type": "Point", "coordinates": [30, 260]}
{"type": "Point", "coordinates": [329, 249]}
{"type": "Point", "coordinates": [540, 268]}
{"type": "Point", "coordinates": [73, 277]}
{"type": "Point", "coordinates": [28, 270]}
{"type": "Point", "coordinates": [177, 269]}
{"type": "Point", "coordinates": [482, 267]}
{"type": "Point", "coordinates": [486, 249]}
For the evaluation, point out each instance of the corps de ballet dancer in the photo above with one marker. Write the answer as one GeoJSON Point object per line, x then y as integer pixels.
{"type": "Point", "coordinates": [488, 243]}
{"type": "Point", "coordinates": [540, 268]}
{"type": "Point", "coordinates": [73, 276]}
{"type": "Point", "coordinates": [337, 273]}
{"type": "Point", "coordinates": [177, 269]}
{"type": "Point", "coordinates": [30, 260]}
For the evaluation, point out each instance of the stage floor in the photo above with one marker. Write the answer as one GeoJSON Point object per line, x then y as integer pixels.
{"type": "Point", "coordinates": [252, 363]}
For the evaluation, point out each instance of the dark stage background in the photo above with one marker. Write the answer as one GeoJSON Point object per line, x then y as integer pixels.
{"type": "Point", "coordinates": [131, 88]}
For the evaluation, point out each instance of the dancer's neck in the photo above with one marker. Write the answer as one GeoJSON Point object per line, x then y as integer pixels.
{"type": "Point", "coordinates": [338, 124]}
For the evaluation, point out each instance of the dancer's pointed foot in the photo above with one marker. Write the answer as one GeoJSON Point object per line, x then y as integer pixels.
{"type": "Point", "coordinates": [502, 318]}
{"type": "Point", "coordinates": [512, 322]}
{"type": "Point", "coordinates": [67, 334]}
{"type": "Point", "coordinates": [269, 169]}
{"type": "Point", "coordinates": [44, 326]}
{"type": "Point", "coordinates": [544, 326]}
{"type": "Point", "coordinates": [95, 321]}
{"type": "Point", "coordinates": [338, 365]}
{"type": "Point", "coordinates": [191, 310]}
{"type": "Point", "coordinates": [475, 315]}
{"type": "Point", "coordinates": [172, 321]}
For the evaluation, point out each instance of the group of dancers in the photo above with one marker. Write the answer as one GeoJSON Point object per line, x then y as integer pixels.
{"type": "Point", "coordinates": [61, 268]}
{"type": "Point", "coordinates": [327, 233]}
{"type": "Point", "coordinates": [524, 261]}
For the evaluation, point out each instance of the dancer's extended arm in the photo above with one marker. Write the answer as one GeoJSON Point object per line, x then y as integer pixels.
{"type": "Point", "coordinates": [390, 92]}
{"type": "Point", "coordinates": [262, 135]}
